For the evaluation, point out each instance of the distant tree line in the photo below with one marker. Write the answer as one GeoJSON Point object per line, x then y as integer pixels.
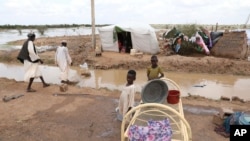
{"type": "Point", "coordinates": [9, 26]}
{"type": "Point", "coordinates": [158, 26]}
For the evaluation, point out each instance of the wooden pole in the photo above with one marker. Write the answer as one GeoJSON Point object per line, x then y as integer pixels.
{"type": "Point", "coordinates": [93, 23]}
{"type": "Point", "coordinates": [245, 26]}
{"type": "Point", "coordinates": [216, 27]}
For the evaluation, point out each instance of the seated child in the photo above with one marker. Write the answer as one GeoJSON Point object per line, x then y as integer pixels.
{"type": "Point", "coordinates": [154, 71]}
{"type": "Point", "coordinates": [126, 101]}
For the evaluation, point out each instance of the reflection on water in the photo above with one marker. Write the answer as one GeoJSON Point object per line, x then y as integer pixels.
{"type": "Point", "coordinates": [200, 110]}
{"type": "Point", "coordinates": [50, 74]}
{"type": "Point", "coordinates": [206, 85]}
{"type": "Point", "coordinates": [111, 79]}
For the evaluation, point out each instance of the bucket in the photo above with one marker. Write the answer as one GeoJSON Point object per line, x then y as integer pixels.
{"type": "Point", "coordinates": [155, 91]}
{"type": "Point", "coordinates": [173, 96]}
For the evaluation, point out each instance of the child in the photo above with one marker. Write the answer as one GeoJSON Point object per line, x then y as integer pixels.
{"type": "Point", "coordinates": [63, 60]}
{"type": "Point", "coordinates": [126, 101]}
{"type": "Point", "coordinates": [154, 70]}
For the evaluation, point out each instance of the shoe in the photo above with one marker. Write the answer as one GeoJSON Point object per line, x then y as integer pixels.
{"type": "Point", "coordinates": [31, 90]}
{"type": "Point", "coordinates": [46, 85]}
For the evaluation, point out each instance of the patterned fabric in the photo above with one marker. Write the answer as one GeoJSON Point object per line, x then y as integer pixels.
{"type": "Point", "coordinates": [155, 131]}
{"type": "Point", "coordinates": [232, 120]}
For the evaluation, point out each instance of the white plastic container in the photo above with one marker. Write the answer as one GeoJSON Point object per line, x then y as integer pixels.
{"type": "Point", "coordinates": [133, 51]}
{"type": "Point", "coordinates": [84, 66]}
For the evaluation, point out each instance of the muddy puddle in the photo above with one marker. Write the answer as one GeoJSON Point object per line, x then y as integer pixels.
{"type": "Point", "coordinates": [211, 86]}
{"type": "Point", "coordinates": [200, 110]}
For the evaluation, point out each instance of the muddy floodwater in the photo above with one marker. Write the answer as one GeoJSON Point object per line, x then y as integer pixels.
{"type": "Point", "coordinates": [207, 85]}
{"type": "Point", "coordinates": [7, 35]}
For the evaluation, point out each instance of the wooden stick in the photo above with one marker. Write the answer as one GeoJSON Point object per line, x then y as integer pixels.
{"type": "Point", "coordinates": [8, 98]}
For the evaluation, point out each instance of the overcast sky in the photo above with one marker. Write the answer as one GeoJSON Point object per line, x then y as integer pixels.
{"type": "Point", "coordinates": [30, 12]}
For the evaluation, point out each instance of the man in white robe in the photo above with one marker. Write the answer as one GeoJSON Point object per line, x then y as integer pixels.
{"type": "Point", "coordinates": [63, 60]}
{"type": "Point", "coordinates": [29, 57]}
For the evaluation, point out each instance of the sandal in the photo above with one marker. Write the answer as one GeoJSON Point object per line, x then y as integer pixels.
{"type": "Point", "coordinates": [31, 90]}
{"type": "Point", "coordinates": [46, 85]}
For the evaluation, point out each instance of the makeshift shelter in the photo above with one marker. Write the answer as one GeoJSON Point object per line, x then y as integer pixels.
{"type": "Point", "coordinates": [129, 36]}
{"type": "Point", "coordinates": [232, 45]}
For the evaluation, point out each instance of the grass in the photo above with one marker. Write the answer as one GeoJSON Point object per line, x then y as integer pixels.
{"type": "Point", "coordinates": [208, 26]}
{"type": "Point", "coordinates": [188, 30]}
{"type": "Point", "coordinates": [9, 26]}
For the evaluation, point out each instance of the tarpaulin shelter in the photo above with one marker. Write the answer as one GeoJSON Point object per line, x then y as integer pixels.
{"type": "Point", "coordinates": [141, 37]}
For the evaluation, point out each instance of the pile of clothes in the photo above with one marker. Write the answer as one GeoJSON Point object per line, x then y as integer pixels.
{"type": "Point", "coordinates": [237, 118]}
{"type": "Point", "coordinates": [154, 131]}
{"type": "Point", "coordinates": [202, 40]}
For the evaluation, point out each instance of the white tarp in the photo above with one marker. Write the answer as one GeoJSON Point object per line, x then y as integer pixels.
{"type": "Point", "coordinates": [142, 35]}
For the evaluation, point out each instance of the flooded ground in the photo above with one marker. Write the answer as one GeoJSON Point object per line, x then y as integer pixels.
{"type": "Point", "coordinates": [14, 34]}
{"type": "Point", "coordinates": [89, 113]}
{"type": "Point", "coordinates": [207, 85]}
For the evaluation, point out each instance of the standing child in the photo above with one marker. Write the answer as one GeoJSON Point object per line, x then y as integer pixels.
{"type": "Point", "coordinates": [63, 60]}
{"type": "Point", "coordinates": [154, 71]}
{"type": "Point", "coordinates": [126, 101]}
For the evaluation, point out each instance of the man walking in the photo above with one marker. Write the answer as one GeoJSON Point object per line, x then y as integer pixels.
{"type": "Point", "coordinates": [63, 61]}
{"type": "Point", "coordinates": [29, 57]}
